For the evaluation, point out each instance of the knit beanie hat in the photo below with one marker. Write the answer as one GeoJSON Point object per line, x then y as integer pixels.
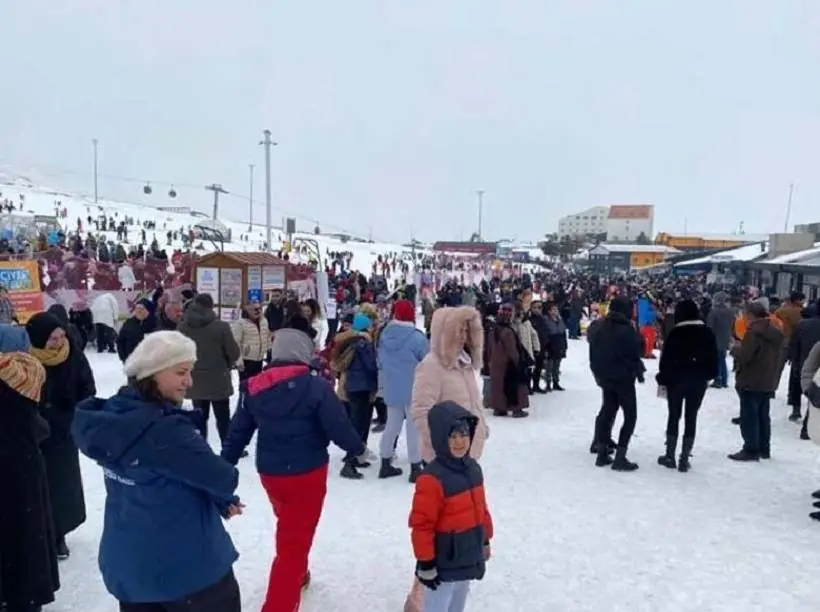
{"type": "Point", "coordinates": [361, 322]}
{"type": "Point", "coordinates": [145, 303]}
{"type": "Point", "coordinates": [403, 310]}
{"type": "Point", "coordinates": [159, 351]}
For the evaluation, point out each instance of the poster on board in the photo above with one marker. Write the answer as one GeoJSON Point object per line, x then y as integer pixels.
{"type": "Point", "coordinates": [273, 277]}
{"type": "Point", "coordinates": [254, 277]}
{"type": "Point", "coordinates": [22, 280]}
{"type": "Point", "coordinates": [207, 282]}
{"type": "Point", "coordinates": [231, 287]}
{"type": "Point", "coordinates": [230, 315]}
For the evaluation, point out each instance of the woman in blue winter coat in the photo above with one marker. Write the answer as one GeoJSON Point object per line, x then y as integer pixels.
{"type": "Point", "coordinates": [401, 348]}
{"type": "Point", "coordinates": [163, 546]}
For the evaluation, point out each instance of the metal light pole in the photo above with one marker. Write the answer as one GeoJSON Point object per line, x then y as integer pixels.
{"type": "Point", "coordinates": [95, 142]}
{"type": "Point", "coordinates": [217, 189]}
{"type": "Point", "coordinates": [480, 193]}
{"type": "Point", "coordinates": [268, 143]}
{"type": "Point", "coordinates": [250, 200]}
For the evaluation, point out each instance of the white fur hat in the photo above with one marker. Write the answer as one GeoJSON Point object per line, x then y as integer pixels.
{"type": "Point", "coordinates": [159, 351]}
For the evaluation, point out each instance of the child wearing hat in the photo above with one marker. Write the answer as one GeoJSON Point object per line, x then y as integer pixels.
{"type": "Point", "coordinates": [450, 522]}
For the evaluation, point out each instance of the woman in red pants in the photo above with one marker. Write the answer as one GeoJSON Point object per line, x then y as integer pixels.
{"type": "Point", "coordinates": [297, 414]}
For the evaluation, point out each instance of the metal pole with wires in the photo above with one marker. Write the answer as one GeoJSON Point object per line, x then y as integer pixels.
{"type": "Point", "coordinates": [217, 189]}
{"type": "Point", "coordinates": [480, 193]}
{"type": "Point", "coordinates": [268, 143]}
{"type": "Point", "coordinates": [95, 142]}
{"type": "Point", "coordinates": [250, 200]}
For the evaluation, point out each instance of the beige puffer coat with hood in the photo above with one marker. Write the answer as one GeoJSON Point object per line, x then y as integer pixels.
{"type": "Point", "coordinates": [449, 373]}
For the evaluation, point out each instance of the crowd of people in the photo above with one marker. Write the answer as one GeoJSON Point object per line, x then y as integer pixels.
{"type": "Point", "coordinates": [311, 376]}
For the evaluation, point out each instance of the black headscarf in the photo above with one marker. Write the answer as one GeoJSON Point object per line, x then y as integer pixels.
{"type": "Point", "coordinates": [40, 327]}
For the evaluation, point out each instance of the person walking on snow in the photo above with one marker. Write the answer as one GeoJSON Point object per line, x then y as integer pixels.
{"type": "Point", "coordinates": [69, 380]}
{"type": "Point", "coordinates": [757, 360]}
{"type": "Point", "coordinates": [647, 317]}
{"type": "Point", "coordinates": [105, 313]}
{"type": "Point", "coordinates": [721, 320]}
{"type": "Point", "coordinates": [450, 522]}
{"type": "Point", "coordinates": [448, 373]}
{"type": "Point", "coordinates": [615, 361]}
{"type": "Point", "coordinates": [163, 544]}
{"type": "Point", "coordinates": [297, 415]}
{"type": "Point", "coordinates": [401, 348]}
{"type": "Point", "coordinates": [689, 360]}
{"type": "Point", "coordinates": [218, 353]}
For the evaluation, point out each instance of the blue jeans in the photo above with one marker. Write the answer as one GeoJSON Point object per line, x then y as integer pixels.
{"type": "Point", "coordinates": [723, 372]}
{"type": "Point", "coordinates": [755, 422]}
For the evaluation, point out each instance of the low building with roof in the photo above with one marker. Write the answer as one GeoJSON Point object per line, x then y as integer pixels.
{"type": "Point", "coordinates": [609, 258]}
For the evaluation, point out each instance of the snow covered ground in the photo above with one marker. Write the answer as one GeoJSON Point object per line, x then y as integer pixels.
{"type": "Point", "coordinates": [569, 537]}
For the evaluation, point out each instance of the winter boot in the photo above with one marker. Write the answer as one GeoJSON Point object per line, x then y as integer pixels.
{"type": "Point", "coordinates": [603, 457]}
{"type": "Point", "coordinates": [415, 471]}
{"type": "Point", "coordinates": [667, 460]}
{"type": "Point", "coordinates": [387, 470]}
{"type": "Point", "coordinates": [610, 447]}
{"type": "Point", "coordinates": [744, 456]}
{"type": "Point", "coordinates": [621, 463]}
{"type": "Point", "coordinates": [350, 472]}
{"type": "Point", "coordinates": [63, 552]}
{"type": "Point", "coordinates": [795, 416]}
{"type": "Point", "coordinates": [557, 387]}
{"type": "Point", "coordinates": [685, 453]}
{"type": "Point", "coordinates": [804, 431]}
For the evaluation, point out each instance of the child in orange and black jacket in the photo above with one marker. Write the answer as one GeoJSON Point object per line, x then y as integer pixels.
{"type": "Point", "coordinates": [450, 522]}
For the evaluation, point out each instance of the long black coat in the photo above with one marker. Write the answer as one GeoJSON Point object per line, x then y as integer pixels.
{"type": "Point", "coordinates": [28, 553]}
{"type": "Point", "coordinates": [66, 385]}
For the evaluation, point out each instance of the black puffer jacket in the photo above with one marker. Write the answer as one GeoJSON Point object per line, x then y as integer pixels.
{"type": "Point", "coordinates": [615, 350]}
{"type": "Point", "coordinates": [689, 355]}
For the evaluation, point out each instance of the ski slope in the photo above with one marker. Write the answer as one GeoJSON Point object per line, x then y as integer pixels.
{"type": "Point", "coordinates": [570, 537]}
{"type": "Point", "coordinates": [40, 200]}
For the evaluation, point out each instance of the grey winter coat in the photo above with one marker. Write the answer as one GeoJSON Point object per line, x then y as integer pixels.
{"type": "Point", "coordinates": [810, 367]}
{"type": "Point", "coordinates": [216, 353]}
{"type": "Point", "coordinates": [721, 320]}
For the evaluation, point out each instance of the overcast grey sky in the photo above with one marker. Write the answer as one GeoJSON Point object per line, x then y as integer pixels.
{"type": "Point", "coordinates": [391, 113]}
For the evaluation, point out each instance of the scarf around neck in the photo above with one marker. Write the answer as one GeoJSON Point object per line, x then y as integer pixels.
{"type": "Point", "coordinates": [23, 373]}
{"type": "Point", "coordinates": [51, 357]}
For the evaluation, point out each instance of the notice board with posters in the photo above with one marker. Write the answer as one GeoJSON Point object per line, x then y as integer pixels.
{"type": "Point", "coordinates": [234, 279]}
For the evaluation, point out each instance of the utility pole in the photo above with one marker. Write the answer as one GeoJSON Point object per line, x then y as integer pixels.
{"type": "Point", "coordinates": [267, 143]}
{"type": "Point", "coordinates": [788, 209]}
{"type": "Point", "coordinates": [217, 189]}
{"type": "Point", "coordinates": [95, 142]}
{"type": "Point", "coordinates": [250, 200]}
{"type": "Point", "coordinates": [480, 193]}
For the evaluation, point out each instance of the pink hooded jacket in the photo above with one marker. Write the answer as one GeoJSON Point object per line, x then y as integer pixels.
{"type": "Point", "coordinates": [445, 375]}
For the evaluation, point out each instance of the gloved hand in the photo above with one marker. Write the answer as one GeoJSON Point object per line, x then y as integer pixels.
{"type": "Point", "coordinates": [427, 574]}
{"type": "Point", "coordinates": [641, 378]}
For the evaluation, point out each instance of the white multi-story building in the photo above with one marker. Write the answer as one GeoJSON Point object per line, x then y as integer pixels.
{"type": "Point", "coordinates": [625, 223]}
{"type": "Point", "coordinates": [589, 221]}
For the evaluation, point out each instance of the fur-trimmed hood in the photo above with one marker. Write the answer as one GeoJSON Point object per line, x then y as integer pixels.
{"type": "Point", "coordinates": [444, 334]}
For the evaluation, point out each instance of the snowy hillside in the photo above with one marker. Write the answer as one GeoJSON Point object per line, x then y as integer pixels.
{"type": "Point", "coordinates": [40, 200]}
